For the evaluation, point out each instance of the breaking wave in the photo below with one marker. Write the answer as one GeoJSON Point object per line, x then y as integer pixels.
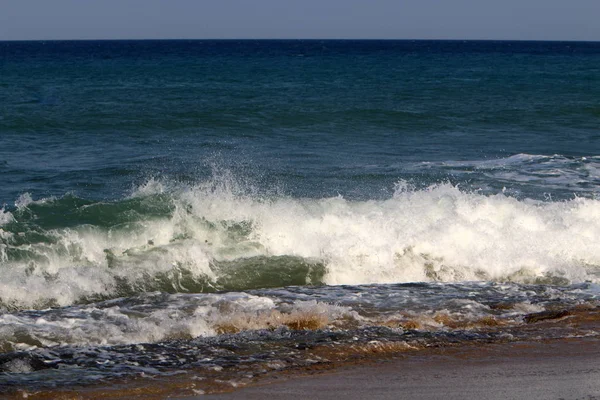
{"type": "Point", "coordinates": [218, 235]}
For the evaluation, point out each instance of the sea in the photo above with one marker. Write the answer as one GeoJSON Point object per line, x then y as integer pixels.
{"type": "Point", "coordinates": [217, 211]}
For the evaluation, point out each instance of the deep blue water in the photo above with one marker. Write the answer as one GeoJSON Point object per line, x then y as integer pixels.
{"type": "Point", "coordinates": [316, 118]}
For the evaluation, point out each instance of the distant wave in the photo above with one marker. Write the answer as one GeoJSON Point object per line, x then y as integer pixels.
{"type": "Point", "coordinates": [547, 173]}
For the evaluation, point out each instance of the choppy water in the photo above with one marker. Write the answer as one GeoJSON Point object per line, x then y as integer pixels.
{"type": "Point", "coordinates": [165, 202]}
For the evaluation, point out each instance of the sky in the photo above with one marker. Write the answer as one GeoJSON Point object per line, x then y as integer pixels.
{"type": "Point", "coordinates": [310, 19]}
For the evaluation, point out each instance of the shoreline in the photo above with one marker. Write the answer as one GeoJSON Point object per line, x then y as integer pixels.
{"type": "Point", "coordinates": [567, 368]}
{"type": "Point", "coordinates": [556, 356]}
{"type": "Point", "coordinates": [557, 369]}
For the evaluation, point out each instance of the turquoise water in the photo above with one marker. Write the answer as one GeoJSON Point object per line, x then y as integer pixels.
{"type": "Point", "coordinates": [166, 179]}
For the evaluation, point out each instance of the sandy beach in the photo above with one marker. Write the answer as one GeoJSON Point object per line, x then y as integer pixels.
{"type": "Point", "coordinates": [566, 369]}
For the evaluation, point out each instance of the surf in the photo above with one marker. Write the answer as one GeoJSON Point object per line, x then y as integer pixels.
{"type": "Point", "coordinates": [216, 235]}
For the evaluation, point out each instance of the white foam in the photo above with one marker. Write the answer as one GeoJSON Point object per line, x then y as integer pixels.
{"type": "Point", "coordinates": [88, 261]}
{"type": "Point", "coordinates": [555, 172]}
{"type": "Point", "coordinates": [25, 200]}
{"type": "Point", "coordinates": [456, 236]}
{"type": "Point", "coordinates": [439, 233]}
{"type": "Point", "coordinates": [5, 216]}
{"type": "Point", "coordinates": [173, 317]}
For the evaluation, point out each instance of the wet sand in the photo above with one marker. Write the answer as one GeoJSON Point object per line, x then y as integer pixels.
{"type": "Point", "coordinates": [562, 369]}
{"type": "Point", "coordinates": [557, 369]}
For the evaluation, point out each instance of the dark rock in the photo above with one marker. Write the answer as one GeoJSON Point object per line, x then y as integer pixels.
{"type": "Point", "coordinates": [544, 315]}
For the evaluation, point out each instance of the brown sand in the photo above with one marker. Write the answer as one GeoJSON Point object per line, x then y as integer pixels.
{"type": "Point", "coordinates": [564, 369]}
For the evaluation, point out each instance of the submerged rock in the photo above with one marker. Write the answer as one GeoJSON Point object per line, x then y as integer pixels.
{"type": "Point", "coordinates": [544, 315]}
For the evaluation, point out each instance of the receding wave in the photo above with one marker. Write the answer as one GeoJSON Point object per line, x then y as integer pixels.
{"type": "Point", "coordinates": [214, 236]}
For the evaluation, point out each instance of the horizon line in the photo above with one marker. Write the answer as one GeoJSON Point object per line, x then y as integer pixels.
{"type": "Point", "coordinates": [303, 39]}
